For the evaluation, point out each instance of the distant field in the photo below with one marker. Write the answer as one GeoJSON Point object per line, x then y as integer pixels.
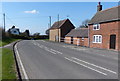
{"type": "Point", "coordinates": [8, 64]}
{"type": "Point", "coordinates": [7, 41]}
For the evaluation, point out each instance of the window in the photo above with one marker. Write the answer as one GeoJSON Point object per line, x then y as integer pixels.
{"type": "Point", "coordinates": [15, 31]}
{"type": "Point", "coordinates": [96, 27]}
{"type": "Point", "coordinates": [82, 38]}
{"type": "Point", "coordinates": [97, 39]}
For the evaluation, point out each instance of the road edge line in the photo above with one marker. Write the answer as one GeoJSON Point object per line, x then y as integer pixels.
{"type": "Point", "coordinates": [19, 62]}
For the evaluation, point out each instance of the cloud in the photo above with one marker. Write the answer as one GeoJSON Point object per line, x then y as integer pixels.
{"type": "Point", "coordinates": [32, 11]}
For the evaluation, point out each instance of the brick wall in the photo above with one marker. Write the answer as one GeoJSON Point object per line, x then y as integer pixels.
{"type": "Point", "coordinates": [68, 40]}
{"type": "Point", "coordinates": [77, 41]}
{"type": "Point", "coordinates": [106, 29]}
{"type": "Point", "coordinates": [83, 42]}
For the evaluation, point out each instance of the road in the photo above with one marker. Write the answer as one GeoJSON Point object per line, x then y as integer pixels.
{"type": "Point", "coordinates": [48, 60]}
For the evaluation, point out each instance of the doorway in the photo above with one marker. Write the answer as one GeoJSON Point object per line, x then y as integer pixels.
{"type": "Point", "coordinates": [112, 41]}
{"type": "Point", "coordinates": [71, 40]}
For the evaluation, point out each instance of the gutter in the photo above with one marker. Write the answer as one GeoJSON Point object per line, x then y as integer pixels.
{"type": "Point", "coordinates": [118, 19]}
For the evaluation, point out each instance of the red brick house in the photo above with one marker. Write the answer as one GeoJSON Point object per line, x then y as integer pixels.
{"type": "Point", "coordinates": [77, 37]}
{"type": "Point", "coordinates": [60, 29]}
{"type": "Point", "coordinates": [104, 29]}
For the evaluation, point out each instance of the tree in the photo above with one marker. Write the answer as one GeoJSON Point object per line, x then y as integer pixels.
{"type": "Point", "coordinates": [27, 33]}
{"type": "Point", "coordinates": [84, 24]}
{"type": "Point", "coordinates": [36, 35]}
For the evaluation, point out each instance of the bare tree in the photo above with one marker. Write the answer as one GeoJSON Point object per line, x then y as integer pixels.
{"type": "Point", "coordinates": [84, 24]}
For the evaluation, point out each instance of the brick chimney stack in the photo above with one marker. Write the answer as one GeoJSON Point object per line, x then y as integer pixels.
{"type": "Point", "coordinates": [99, 7]}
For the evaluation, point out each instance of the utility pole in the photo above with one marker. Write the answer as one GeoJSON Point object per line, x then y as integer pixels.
{"type": "Point", "coordinates": [4, 23]}
{"type": "Point", "coordinates": [50, 21]}
{"type": "Point", "coordinates": [58, 28]}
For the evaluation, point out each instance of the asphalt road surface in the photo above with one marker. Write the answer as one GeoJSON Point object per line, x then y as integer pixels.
{"type": "Point", "coordinates": [48, 60]}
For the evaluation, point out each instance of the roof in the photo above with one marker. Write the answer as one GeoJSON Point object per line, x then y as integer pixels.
{"type": "Point", "coordinates": [81, 32]}
{"type": "Point", "coordinates": [107, 15]}
{"type": "Point", "coordinates": [60, 23]}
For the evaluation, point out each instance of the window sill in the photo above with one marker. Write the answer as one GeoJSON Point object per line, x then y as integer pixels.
{"type": "Point", "coordinates": [97, 42]}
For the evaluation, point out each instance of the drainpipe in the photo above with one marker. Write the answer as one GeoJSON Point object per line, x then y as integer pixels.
{"type": "Point", "coordinates": [88, 36]}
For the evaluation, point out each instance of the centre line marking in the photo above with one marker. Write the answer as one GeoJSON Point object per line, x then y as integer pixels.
{"type": "Point", "coordinates": [86, 66]}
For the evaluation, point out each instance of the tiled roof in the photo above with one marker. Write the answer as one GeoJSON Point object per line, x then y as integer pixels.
{"type": "Point", "coordinates": [58, 24]}
{"type": "Point", "coordinates": [82, 32]}
{"type": "Point", "coordinates": [106, 15]}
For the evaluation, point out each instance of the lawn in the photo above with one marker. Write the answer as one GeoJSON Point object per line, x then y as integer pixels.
{"type": "Point", "coordinates": [8, 64]}
{"type": "Point", "coordinates": [7, 41]}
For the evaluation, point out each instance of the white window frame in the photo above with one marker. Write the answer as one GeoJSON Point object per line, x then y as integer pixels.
{"type": "Point", "coordinates": [96, 26]}
{"type": "Point", "coordinates": [82, 38]}
{"type": "Point", "coordinates": [97, 38]}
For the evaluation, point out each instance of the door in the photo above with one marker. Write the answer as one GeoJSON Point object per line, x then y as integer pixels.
{"type": "Point", "coordinates": [112, 41]}
{"type": "Point", "coordinates": [71, 40]}
{"type": "Point", "coordinates": [56, 38]}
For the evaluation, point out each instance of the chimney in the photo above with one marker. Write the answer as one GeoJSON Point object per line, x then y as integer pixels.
{"type": "Point", "coordinates": [99, 7]}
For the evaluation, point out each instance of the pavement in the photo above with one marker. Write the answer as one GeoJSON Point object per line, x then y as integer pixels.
{"type": "Point", "coordinates": [10, 46]}
{"type": "Point", "coordinates": [39, 59]}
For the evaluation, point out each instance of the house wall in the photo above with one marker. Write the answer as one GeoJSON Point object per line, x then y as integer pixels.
{"type": "Point", "coordinates": [53, 34]}
{"type": "Point", "coordinates": [66, 28]}
{"type": "Point", "coordinates": [77, 41]}
{"type": "Point", "coordinates": [63, 30]}
{"type": "Point", "coordinates": [68, 40]}
{"type": "Point", "coordinates": [106, 29]}
{"type": "Point", "coordinates": [14, 31]}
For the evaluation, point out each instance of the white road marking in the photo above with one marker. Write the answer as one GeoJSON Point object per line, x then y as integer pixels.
{"type": "Point", "coordinates": [43, 41]}
{"type": "Point", "coordinates": [46, 48]}
{"type": "Point", "coordinates": [50, 51]}
{"type": "Point", "coordinates": [56, 51]}
{"type": "Point", "coordinates": [22, 67]}
{"type": "Point", "coordinates": [95, 65]}
{"type": "Point", "coordinates": [85, 66]}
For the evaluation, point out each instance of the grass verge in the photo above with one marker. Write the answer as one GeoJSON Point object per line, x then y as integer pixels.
{"type": "Point", "coordinates": [8, 64]}
{"type": "Point", "coordinates": [0, 64]}
{"type": "Point", "coordinates": [7, 41]}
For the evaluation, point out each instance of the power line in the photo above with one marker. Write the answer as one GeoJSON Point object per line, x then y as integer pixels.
{"type": "Point", "coordinates": [10, 20]}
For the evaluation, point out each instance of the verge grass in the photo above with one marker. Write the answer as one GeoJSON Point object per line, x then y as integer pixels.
{"type": "Point", "coordinates": [0, 64]}
{"type": "Point", "coordinates": [6, 41]}
{"type": "Point", "coordinates": [8, 64]}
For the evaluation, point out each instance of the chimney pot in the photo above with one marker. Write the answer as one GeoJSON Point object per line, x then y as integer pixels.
{"type": "Point", "coordinates": [99, 7]}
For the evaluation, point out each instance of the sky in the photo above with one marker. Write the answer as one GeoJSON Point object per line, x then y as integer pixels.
{"type": "Point", "coordinates": [35, 15]}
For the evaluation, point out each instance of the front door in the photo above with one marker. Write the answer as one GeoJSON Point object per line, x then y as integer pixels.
{"type": "Point", "coordinates": [112, 41]}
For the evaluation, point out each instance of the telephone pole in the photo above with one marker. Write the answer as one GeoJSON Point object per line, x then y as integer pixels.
{"type": "Point", "coordinates": [50, 21]}
{"type": "Point", "coordinates": [58, 28]}
{"type": "Point", "coordinates": [4, 23]}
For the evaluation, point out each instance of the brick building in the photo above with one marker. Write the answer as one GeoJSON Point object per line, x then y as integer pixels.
{"type": "Point", "coordinates": [60, 29]}
{"type": "Point", "coordinates": [104, 29]}
{"type": "Point", "coordinates": [77, 37]}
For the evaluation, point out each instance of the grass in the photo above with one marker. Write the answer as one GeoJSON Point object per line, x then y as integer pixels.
{"type": "Point", "coordinates": [8, 64]}
{"type": "Point", "coordinates": [0, 64]}
{"type": "Point", "coordinates": [7, 41]}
